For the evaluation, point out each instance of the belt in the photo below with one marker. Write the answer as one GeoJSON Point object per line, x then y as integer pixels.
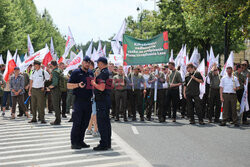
{"type": "Point", "coordinates": [230, 93]}
{"type": "Point", "coordinates": [38, 88]}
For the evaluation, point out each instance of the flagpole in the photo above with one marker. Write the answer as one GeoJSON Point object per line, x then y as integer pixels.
{"type": "Point", "coordinates": [155, 93]}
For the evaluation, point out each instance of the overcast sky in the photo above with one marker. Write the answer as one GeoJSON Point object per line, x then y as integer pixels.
{"type": "Point", "coordinates": [89, 19]}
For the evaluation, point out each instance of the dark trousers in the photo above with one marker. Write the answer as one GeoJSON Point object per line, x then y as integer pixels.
{"type": "Point", "coordinates": [80, 116]}
{"type": "Point", "coordinates": [25, 96]}
{"type": "Point", "coordinates": [18, 99]}
{"type": "Point", "coordinates": [239, 94]}
{"type": "Point", "coordinates": [69, 100]}
{"type": "Point", "coordinates": [197, 105]}
{"type": "Point", "coordinates": [120, 100]}
{"type": "Point", "coordinates": [63, 104]}
{"type": "Point", "coordinates": [205, 105]}
{"type": "Point", "coordinates": [113, 104]}
{"type": "Point", "coordinates": [172, 97]}
{"type": "Point", "coordinates": [160, 103]}
{"type": "Point", "coordinates": [103, 121]}
{"type": "Point", "coordinates": [129, 108]}
{"type": "Point", "coordinates": [149, 101]}
{"type": "Point", "coordinates": [230, 101]}
{"type": "Point", "coordinates": [50, 104]}
{"type": "Point", "coordinates": [136, 102]}
{"type": "Point", "coordinates": [56, 95]}
{"type": "Point", "coordinates": [214, 101]}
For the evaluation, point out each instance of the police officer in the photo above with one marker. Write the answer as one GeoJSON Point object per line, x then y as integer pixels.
{"type": "Point", "coordinates": [102, 85]}
{"type": "Point", "coordinates": [82, 104]}
{"type": "Point", "coordinates": [55, 92]}
{"type": "Point", "coordinates": [191, 92]}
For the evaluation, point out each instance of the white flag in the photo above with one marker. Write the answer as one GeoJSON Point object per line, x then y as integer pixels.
{"type": "Point", "coordinates": [217, 60]}
{"type": "Point", "coordinates": [104, 50]}
{"type": "Point", "coordinates": [18, 61]}
{"type": "Point", "coordinates": [69, 44]}
{"type": "Point", "coordinates": [171, 59]}
{"type": "Point", "coordinates": [52, 49]}
{"type": "Point", "coordinates": [25, 57]}
{"type": "Point", "coordinates": [212, 59]}
{"type": "Point", "coordinates": [1, 59]}
{"type": "Point", "coordinates": [89, 51]}
{"type": "Point", "coordinates": [244, 106]}
{"type": "Point", "coordinates": [177, 60]}
{"type": "Point", "coordinates": [201, 69]}
{"type": "Point", "coordinates": [30, 47]}
{"type": "Point", "coordinates": [72, 55]}
{"type": "Point", "coordinates": [229, 63]}
{"type": "Point", "coordinates": [74, 63]}
{"type": "Point", "coordinates": [39, 56]}
{"type": "Point", "coordinates": [195, 58]}
{"type": "Point", "coordinates": [99, 49]}
{"type": "Point", "coordinates": [15, 56]}
{"type": "Point", "coordinates": [116, 42]}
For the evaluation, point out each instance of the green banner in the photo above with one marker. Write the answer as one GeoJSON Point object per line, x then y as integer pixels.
{"type": "Point", "coordinates": [151, 51]}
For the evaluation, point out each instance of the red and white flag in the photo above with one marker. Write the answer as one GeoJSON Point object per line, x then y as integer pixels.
{"type": "Point", "coordinates": [25, 57]}
{"type": "Point", "coordinates": [69, 44]}
{"type": "Point", "coordinates": [244, 106]}
{"type": "Point", "coordinates": [1, 60]}
{"type": "Point", "coordinates": [18, 61]}
{"type": "Point", "coordinates": [221, 111]}
{"type": "Point", "coordinates": [229, 63]}
{"type": "Point", "coordinates": [89, 51]}
{"type": "Point", "coordinates": [195, 58]}
{"type": "Point", "coordinates": [52, 49]}
{"type": "Point", "coordinates": [74, 63]}
{"type": "Point", "coordinates": [10, 65]}
{"type": "Point", "coordinates": [30, 47]}
{"type": "Point", "coordinates": [201, 69]}
{"type": "Point", "coordinates": [39, 56]}
{"type": "Point", "coordinates": [212, 59]}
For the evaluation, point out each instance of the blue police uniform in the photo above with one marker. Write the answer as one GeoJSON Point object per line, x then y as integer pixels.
{"type": "Point", "coordinates": [82, 106]}
{"type": "Point", "coordinates": [102, 108]}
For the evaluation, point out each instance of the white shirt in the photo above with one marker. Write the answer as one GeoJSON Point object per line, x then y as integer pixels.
{"type": "Point", "coordinates": [38, 78]}
{"type": "Point", "coordinates": [228, 84]}
{"type": "Point", "coordinates": [146, 77]}
{"type": "Point", "coordinates": [165, 84]}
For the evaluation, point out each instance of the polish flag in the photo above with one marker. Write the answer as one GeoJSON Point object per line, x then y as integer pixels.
{"type": "Point", "coordinates": [30, 47]}
{"type": "Point", "coordinates": [10, 65]}
{"type": "Point", "coordinates": [74, 63]}
{"type": "Point", "coordinates": [39, 56]}
{"type": "Point", "coordinates": [69, 44]}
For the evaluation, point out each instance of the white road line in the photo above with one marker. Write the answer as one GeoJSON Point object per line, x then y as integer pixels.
{"type": "Point", "coordinates": [82, 161]}
{"type": "Point", "coordinates": [140, 160]}
{"type": "Point", "coordinates": [134, 130]}
{"type": "Point", "coordinates": [121, 163]}
{"type": "Point", "coordinates": [36, 133]}
{"type": "Point", "coordinates": [33, 136]}
{"type": "Point", "coordinates": [42, 148]}
{"type": "Point", "coordinates": [32, 128]}
{"type": "Point", "coordinates": [59, 157]}
{"type": "Point", "coordinates": [47, 153]}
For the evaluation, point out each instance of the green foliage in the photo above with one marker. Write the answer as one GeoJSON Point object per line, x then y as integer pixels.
{"type": "Point", "coordinates": [19, 18]}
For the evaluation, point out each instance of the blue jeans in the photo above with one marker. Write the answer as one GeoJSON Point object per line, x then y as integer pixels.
{"type": "Point", "coordinates": [6, 95]}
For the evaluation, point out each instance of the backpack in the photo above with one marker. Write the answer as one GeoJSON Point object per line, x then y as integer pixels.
{"type": "Point", "coordinates": [62, 82]}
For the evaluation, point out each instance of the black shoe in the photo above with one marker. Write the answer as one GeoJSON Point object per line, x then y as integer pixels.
{"type": "Point", "coordinates": [55, 123]}
{"type": "Point", "coordinates": [223, 124]}
{"type": "Point", "coordinates": [43, 122]}
{"type": "Point", "coordinates": [161, 120]}
{"type": "Point", "coordinates": [50, 112]}
{"type": "Point", "coordinates": [70, 120]}
{"type": "Point", "coordinates": [64, 116]}
{"type": "Point", "coordinates": [142, 118]}
{"type": "Point", "coordinates": [125, 120]}
{"type": "Point", "coordinates": [174, 119]}
{"type": "Point", "coordinates": [133, 119]}
{"type": "Point", "coordinates": [76, 147]}
{"type": "Point", "coordinates": [100, 148]}
{"type": "Point", "coordinates": [84, 145]}
{"type": "Point", "coordinates": [117, 119]}
{"type": "Point", "coordinates": [236, 125]}
{"type": "Point", "coordinates": [32, 121]}
{"type": "Point", "coordinates": [192, 122]}
{"type": "Point", "coordinates": [148, 119]}
{"type": "Point", "coordinates": [201, 123]}
{"type": "Point", "coordinates": [20, 115]}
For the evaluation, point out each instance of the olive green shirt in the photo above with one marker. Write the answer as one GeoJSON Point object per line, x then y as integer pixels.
{"type": "Point", "coordinates": [137, 80]}
{"type": "Point", "coordinates": [118, 80]}
{"type": "Point", "coordinates": [175, 78]}
{"type": "Point", "coordinates": [241, 79]}
{"type": "Point", "coordinates": [214, 80]}
{"type": "Point", "coordinates": [55, 77]}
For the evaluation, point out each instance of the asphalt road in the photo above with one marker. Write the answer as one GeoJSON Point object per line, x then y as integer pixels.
{"type": "Point", "coordinates": [182, 145]}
